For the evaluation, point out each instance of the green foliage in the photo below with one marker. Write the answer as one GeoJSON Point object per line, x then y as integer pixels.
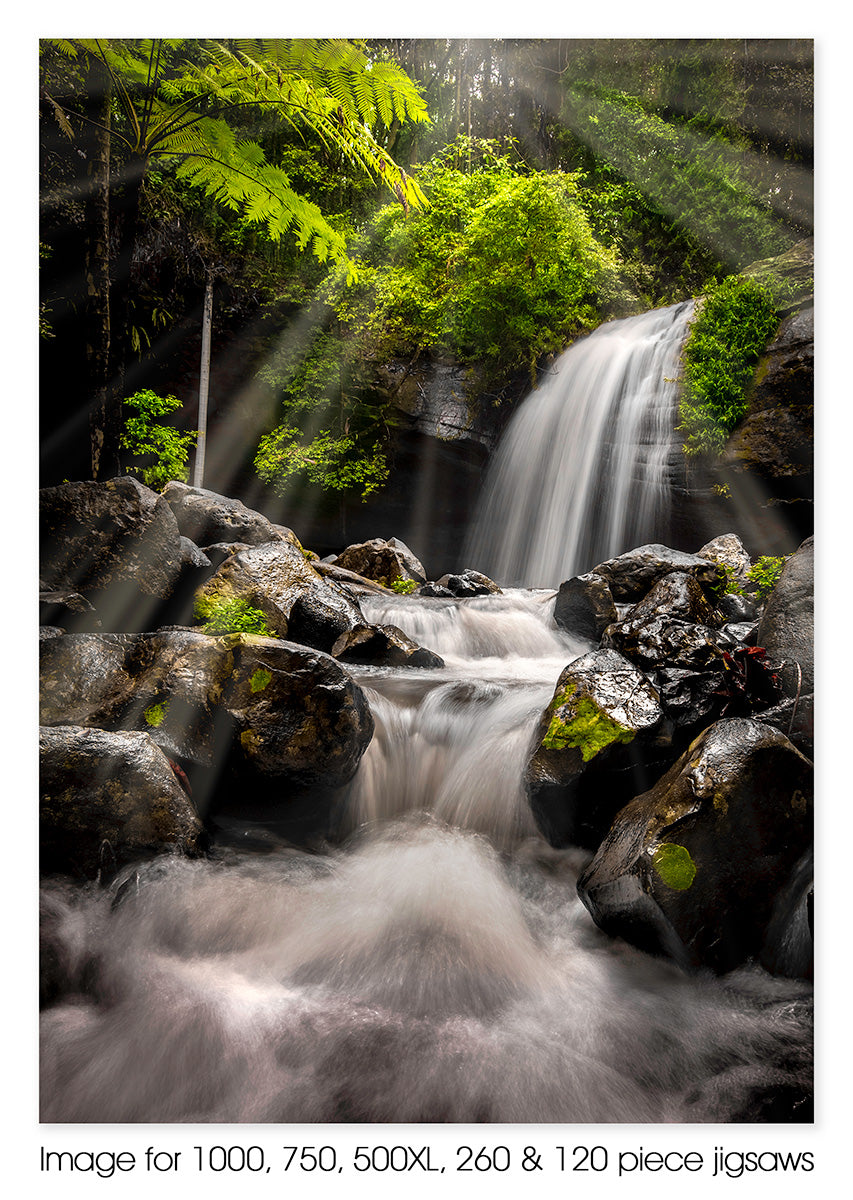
{"type": "Point", "coordinates": [731, 330]}
{"type": "Point", "coordinates": [727, 584]}
{"type": "Point", "coordinates": [501, 268]}
{"type": "Point", "coordinates": [672, 175]}
{"type": "Point", "coordinates": [219, 615]}
{"type": "Point", "coordinates": [764, 574]}
{"type": "Point", "coordinates": [403, 587]}
{"type": "Point", "coordinates": [147, 439]}
{"type": "Point", "coordinates": [497, 270]}
{"type": "Point", "coordinates": [189, 101]}
{"type": "Point", "coordinates": [332, 462]}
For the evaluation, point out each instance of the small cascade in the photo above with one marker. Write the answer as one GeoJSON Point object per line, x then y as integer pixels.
{"type": "Point", "coordinates": [585, 468]}
{"type": "Point", "coordinates": [454, 742]}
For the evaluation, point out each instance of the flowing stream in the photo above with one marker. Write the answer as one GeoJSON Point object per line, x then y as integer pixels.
{"type": "Point", "coordinates": [432, 964]}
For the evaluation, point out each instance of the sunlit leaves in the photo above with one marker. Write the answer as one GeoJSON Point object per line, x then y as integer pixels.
{"type": "Point", "coordinates": [194, 103]}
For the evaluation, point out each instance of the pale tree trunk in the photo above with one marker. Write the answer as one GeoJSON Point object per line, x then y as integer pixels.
{"type": "Point", "coordinates": [104, 449]}
{"type": "Point", "coordinates": [203, 384]}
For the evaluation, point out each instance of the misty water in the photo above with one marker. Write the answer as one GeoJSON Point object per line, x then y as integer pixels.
{"type": "Point", "coordinates": [431, 963]}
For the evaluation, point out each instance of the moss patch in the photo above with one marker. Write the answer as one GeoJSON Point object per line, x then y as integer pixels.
{"type": "Point", "coordinates": [155, 714]}
{"type": "Point", "coordinates": [674, 866]}
{"type": "Point", "coordinates": [586, 728]}
{"type": "Point", "coordinates": [259, 679]}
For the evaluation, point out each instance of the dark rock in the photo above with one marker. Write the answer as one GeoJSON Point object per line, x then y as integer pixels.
{"type": "Point", "coordinates": [107, 799]}
{"type": "Point", "coordinates": [632, 575]}
{"type": "Point", "coordinates": [789, 942]}
{"type": "Point", "coordinates": [191, 556]}
{"type": "Point", "coordinates": [691, 868]}
{"type": "Point", "coordinates": [296, 601]}
{"type": "Point", "coordinates": [468, 583]}
{"type": "Point", "coordinates": [584, 606]}
{"type": "Point", "coordinates": [66, 606]}
{"type": "Point", "coordinates": [734, 607]}
{"type": "Point", "coordinates": [206, 517]}
{"type": "Point", "coordinates": [117, 535]}
{"type": "Point", "coordinates": [662, 641]}
{"type": "Point", "coordinates": [352, 582]}
{"type": "Point", "coordinates": [675, 595]}
{"type": "Point", "coordinates": [385, 562]}
{"type": "Point", "coordinates": [690, 699]}
{"type": "Point", "coordinates": [217, 552]}
{"type": "Point", "coordinates": [786, 630]}
{"type": "Point", "coordinates": [594, 745]}
{"type": "Point", "coordinates": [742, 631]}
{"type": "Point", "coordinates": [795, 718]}
{"type": "Point", "coordinates": [774, 443]}
{"type": "Point", "coordinates": [297, 714]}
{"type": "Point", "coordinates": [258, 708]}
{"type": "Point", "coordinates": [383, 646]}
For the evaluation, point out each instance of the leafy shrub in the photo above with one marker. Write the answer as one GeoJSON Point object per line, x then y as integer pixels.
{"type": "Point", "coordinates": [221, 616]}
{"type": "Point", "coordinates": [147, 439]}
{"type": "Point", "coordinates": [764, 574]}
{"type": "Point", "coordinates": [403, 587]}
{"type": "Point", "coordinates": [734, 323]}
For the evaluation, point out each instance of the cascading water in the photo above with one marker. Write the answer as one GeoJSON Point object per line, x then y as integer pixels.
{"type": "Point", "coordinates": [435, 966]}
{"type": "Point", "coordinates": [585, 468]}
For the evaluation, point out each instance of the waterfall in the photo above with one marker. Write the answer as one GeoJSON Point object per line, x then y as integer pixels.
{"type": "Point", "coordinates": [585, 468]}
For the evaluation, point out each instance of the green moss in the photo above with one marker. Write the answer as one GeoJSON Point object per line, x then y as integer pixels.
{"type": "Point", "coordinates": [586, 728]}
{"type": "Point", "coordinates": [674, 866]}
{"type": "Point", "coordinates": [155, 714]}
{"type": "Point", "coordinates": [259, 680]}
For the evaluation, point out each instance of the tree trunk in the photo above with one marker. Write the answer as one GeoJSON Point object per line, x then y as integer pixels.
{"type": "Point", "coordinates": [103, 443]}
{"type": "Point", "coordinates": [203, 384]}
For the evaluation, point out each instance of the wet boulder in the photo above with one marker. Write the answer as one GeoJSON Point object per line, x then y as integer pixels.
{"type": "Point", "coordinates": [107, 799]}
{"type": "Point", "coordinates": [597, 744]}
{"type": "Point", "coordinates": [690, 699]}
{"type": "Point", "coordinates": [383, 646]}
{"type": "Point", "coordinates": [118, 536]}
{"type": "Point", "coordinates": [250, 708]}
{"type": "Point", "coordinates": [385, 562]}
{"type": "Point", "coordinates": [691, 868]}
{"type": "Point", "coordinates": [297, 716]}
{"type": "Point", "coordinates": [676, 595]}
{"type": "Point", "coordinates": [786, 630]}
{"type": "Point", "coordinates": [631, 575]}
{"type": "Point", "coordinates": [662, 641]}
{"type": "Point", "coordinates": [296, 601]}
{"type": "Point", "coordinates": [206, 517]}
{"type": "Point", "coordinates": [584, 606]}
{"type": "Point", "coordinates": [468, 583]}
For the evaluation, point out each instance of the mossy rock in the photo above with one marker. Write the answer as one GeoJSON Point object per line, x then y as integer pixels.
{"type": "Point", "coordinates": [597, 738]}
{"type": "Point", "coordinates": [691, 869]}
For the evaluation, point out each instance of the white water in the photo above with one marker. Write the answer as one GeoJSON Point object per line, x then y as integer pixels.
{"type": "Point", "coordinates": [584, 470]}
{"type": "Point", "coordinates": [437, 966]}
